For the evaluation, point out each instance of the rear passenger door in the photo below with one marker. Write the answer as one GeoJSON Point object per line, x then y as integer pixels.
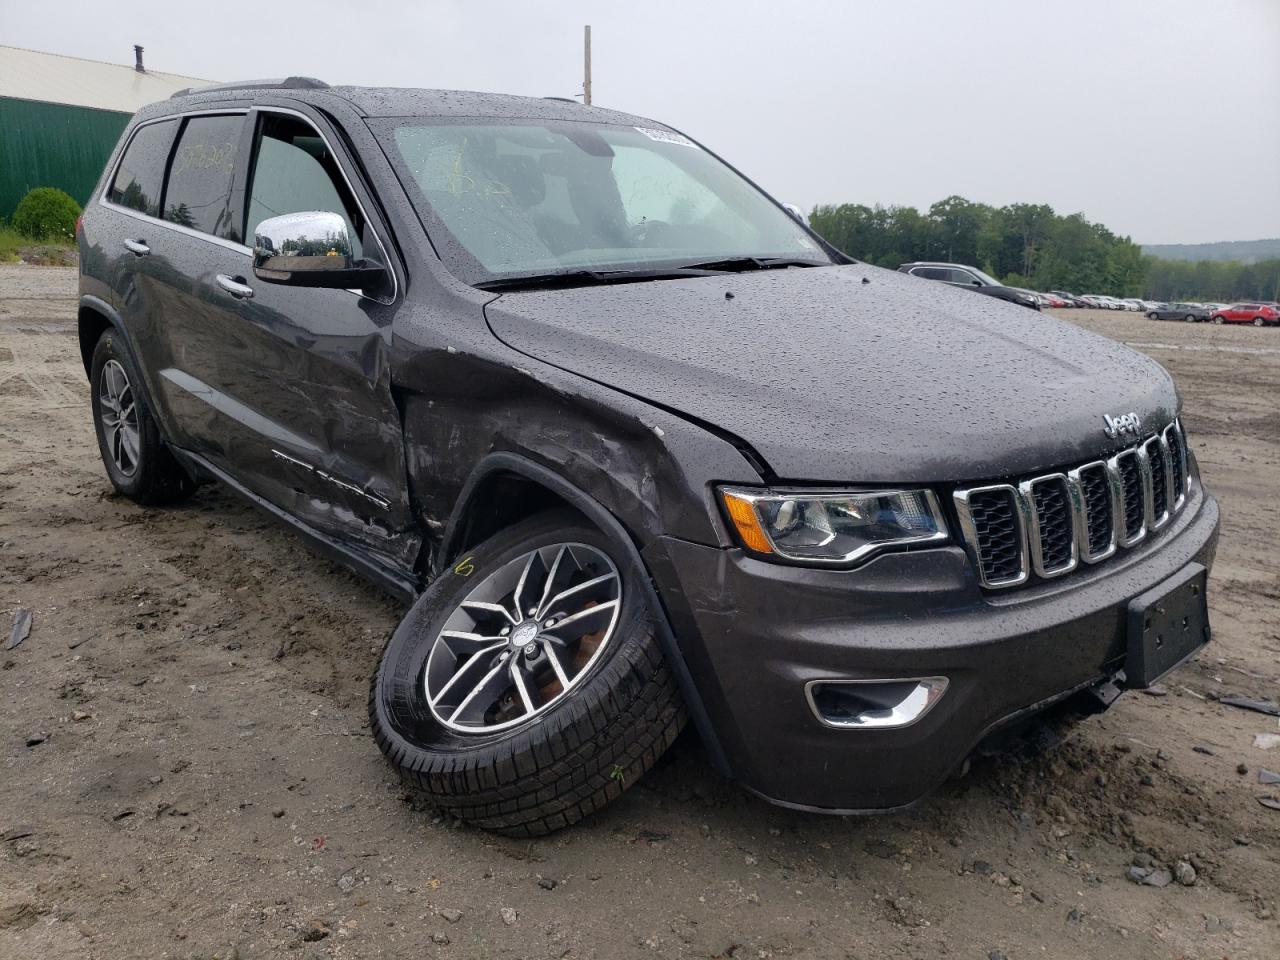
{"type": "Point", "coordinates": [192, 315]}
{"type": "Point", "coordinates": [175, 193]}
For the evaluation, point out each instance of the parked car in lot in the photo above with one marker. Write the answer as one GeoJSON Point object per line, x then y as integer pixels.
{"type": "Point", "coordinates": [1258, 314]}
{"type": "Point", "coordinates": [1103, 302]}
{"type": "Point", "coordinates": [1190, 312]}
{"type": "Point", "coordinates": [1069, 299]}
{"type": "Point", "coordinates": [633, 444]}
{"type": "Point", "coordinates": [970, 278]}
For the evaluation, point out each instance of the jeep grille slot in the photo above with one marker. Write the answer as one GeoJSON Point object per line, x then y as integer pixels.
{"type": "Point", "coordinates": [1054, 532]}
{"type": "Point", "coordinates": [1048, 524]}
{"type": "Point", "coordinates": [1132, 496]}
{"type": "Point", "coordinates": [1157, 463]}
{"type": "Point", "coordinates": [1099, 514]}
{"type": "Point", "coordinates": [993, 526]}
{"type": "Point", "coordinates": [1175, 443]}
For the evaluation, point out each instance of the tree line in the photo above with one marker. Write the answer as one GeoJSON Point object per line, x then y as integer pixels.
{"type": "Point", "coordinates": [1214, 280]}
{"type": "Point", "coordinates": [1029, 245]}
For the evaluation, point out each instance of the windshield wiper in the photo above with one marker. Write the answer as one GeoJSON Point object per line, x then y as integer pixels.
{"type": "Point", "coordinates": [587, 278]}
{"type": "Point", "coordinates": [743, 264]}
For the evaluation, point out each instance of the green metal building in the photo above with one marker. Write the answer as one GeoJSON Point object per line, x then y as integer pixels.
{"type": "Point", "coordinates": [60, 117]}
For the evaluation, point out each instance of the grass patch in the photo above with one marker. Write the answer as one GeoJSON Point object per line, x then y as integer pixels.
{"type": "Point", "coordinates": [10, 241]}
{"type": "Point", "coordinates": [14, 247]}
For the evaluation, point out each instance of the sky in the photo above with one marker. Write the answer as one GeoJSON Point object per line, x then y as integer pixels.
{"type": "Point", "coordinates": [1158, 118]}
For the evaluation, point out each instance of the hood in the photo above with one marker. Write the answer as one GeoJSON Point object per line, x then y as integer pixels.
{"type": "Point", "coordinates": [850, 373]}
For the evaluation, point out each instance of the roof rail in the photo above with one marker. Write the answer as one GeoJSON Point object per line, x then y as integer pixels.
{"type": "Point", "coordinates": [288, 83]}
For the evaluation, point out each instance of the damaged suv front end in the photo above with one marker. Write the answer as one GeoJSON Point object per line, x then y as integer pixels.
{"type": "Point", "coordinates": [859, 690]}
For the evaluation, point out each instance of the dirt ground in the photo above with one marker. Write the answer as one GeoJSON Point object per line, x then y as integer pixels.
{"type": "Point", "coordinates": [187, 769]}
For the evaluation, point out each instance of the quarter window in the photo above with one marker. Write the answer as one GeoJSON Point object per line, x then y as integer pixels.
{"type": "Point", "coordinates": [294, 172]}
{"type": "Point", "coordinates": [140, 175]}
{"type": "Point", "coordinates": [202, 177]}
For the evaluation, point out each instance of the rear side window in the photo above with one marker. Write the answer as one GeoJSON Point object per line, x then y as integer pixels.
{"type": "Point", "coordinates": [140, 175]}
{"type": "Point", "coordinates": [202, 177]}
{"type": "Point", "coordinates": [295, 173]}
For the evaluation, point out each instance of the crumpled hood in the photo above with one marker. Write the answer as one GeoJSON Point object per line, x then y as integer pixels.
{"type": "Point", "coordinates": [832, 377]}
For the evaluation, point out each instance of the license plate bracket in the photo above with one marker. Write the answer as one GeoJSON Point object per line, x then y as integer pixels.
{"type": "Point", "coordinates": [1167, 624]}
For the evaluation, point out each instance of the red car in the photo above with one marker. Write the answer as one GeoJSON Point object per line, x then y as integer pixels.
{"type": "Point", "coordinates": [1259, 314]}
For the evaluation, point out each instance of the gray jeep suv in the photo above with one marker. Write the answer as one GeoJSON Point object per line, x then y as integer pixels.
{"type": "Point", "coordinates": [635, 445]}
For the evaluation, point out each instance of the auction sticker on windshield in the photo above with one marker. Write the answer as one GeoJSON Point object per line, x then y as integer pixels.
{"type": "Point", "coordinates": [666, 136]}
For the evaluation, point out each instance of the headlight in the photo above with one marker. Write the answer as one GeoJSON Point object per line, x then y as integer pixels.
{"type": "Point", "coordinates": [827, 528]}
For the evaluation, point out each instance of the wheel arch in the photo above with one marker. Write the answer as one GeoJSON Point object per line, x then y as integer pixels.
{"type": "Point", "coordinates": [531, 487]}
{"type": "Point", "coordinates": [93, 319]}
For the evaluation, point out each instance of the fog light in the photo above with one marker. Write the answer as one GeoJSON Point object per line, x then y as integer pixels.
{"type": "Point", "coordinates": [873, 704]}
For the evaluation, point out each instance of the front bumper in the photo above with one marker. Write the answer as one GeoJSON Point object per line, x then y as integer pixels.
{"type": "Point", "coordinates": [754, 633]}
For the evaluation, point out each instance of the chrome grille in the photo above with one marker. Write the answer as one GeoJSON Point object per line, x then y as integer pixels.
{"type": "Point", "coordinates": [1049, 524]}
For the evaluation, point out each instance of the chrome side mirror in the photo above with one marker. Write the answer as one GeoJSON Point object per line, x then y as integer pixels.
{"type": "Point", "coordinates": [796, 212]}
{"type": "Point", "coordinates": [311, 249]}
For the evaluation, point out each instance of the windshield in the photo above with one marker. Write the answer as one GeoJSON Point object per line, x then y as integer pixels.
{"type": "Point", "coordinates": [509, 198]}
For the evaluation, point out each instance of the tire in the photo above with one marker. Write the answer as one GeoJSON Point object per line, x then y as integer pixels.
{"type": "Point", "coordinates": [1218, 320]}
{"type": "Point", "coordinates": [583, 746]}
{"type": "Point", "coordinates": [1259, 322]}
{"type": "Point", "coordinates": [1153, 315]}
{"type": "Point", "coordinates": [138, 463]}
{"type": "Point", "coordinates": [1190, 318]}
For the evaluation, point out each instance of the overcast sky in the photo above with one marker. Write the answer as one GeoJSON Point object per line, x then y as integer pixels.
{"type": "Point", "coordinates": [1160, 119]}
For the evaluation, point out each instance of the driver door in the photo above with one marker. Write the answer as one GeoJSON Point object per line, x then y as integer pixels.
{"type": "Point", "coordinates": [314, 364]}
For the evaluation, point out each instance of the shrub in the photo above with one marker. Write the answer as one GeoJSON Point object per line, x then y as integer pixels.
{"type": "Point", "coordinates": [47, 213]}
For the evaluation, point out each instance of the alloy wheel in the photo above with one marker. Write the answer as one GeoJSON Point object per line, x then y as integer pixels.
{"type": "Point", "coordinates": [118, 417]}
{"type": "Point", "coordinates": [523, 638]}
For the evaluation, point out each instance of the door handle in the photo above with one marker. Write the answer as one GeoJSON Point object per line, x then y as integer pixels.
{"type": "Point", "coordinates": [235, 287]}
{"type": "Point", "coordinates": [137, 246]}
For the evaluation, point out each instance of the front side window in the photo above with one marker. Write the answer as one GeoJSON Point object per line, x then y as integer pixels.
{"type": "Point", "coordinates": [140, 176]}
{"type": "Point", "coordinates": [508, 199]}
{"type": "Point", "coordinates": [202, 176]}
{"type": "Point", "coordinates": [294, 172]}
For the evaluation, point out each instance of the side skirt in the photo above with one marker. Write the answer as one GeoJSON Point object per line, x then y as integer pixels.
{"type": "Point", "coordinates": [402, 583]}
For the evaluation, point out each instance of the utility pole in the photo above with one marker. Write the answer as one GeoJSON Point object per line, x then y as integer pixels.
{"type": "Point", "coordinates": [586, 64]}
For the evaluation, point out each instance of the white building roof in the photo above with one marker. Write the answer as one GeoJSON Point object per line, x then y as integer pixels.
{"type": "Point", "coordinates": [52, 78]}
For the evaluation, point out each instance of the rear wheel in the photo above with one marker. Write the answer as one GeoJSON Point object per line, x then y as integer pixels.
{"type": "Point", "coordinates": [527, 688]}
{"type": "Point", "coordinates": [1258, 321]}
{"type": "Point", "coordinates": [138, 463]}
{"type": "Point", "coordinates": [1190, 318]}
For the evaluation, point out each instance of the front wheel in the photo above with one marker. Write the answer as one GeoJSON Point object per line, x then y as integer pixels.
{"type": "Point", "coordinates": [1217, 320]}
{"type": "Point", "coordinates": [527, 687]}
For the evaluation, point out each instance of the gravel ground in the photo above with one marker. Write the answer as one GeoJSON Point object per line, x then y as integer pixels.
{"type": "Point", "coordinates": [187, 769]}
